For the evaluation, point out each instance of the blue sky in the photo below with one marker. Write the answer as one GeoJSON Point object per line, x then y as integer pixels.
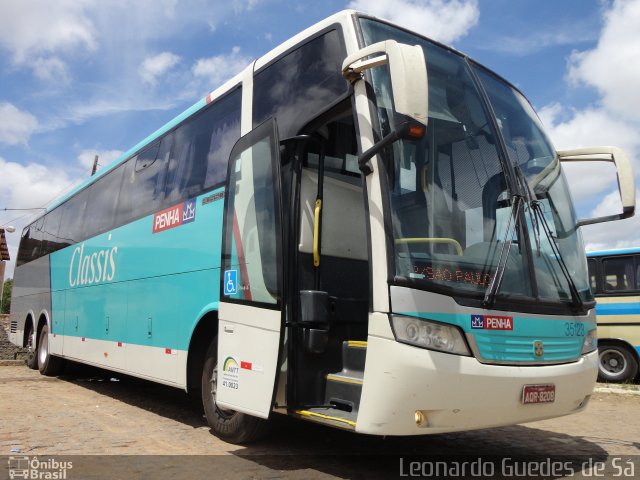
{"type": "Point", "coordinates": [84, 77]}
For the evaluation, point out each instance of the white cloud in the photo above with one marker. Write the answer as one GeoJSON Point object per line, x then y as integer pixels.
{"type": "Point", "coordinates": [442, 20]}
{"type": "Point", "coordinates": [32, 27]}
{"type": "Point", "coordinates": [618, 234]}
{"type": "Point", "coordinates": [589, 127]}
{"type": "Point", "coordinates": [34, 30]}
{"type": "Point", "coordinates": [16, 126]}
{"type": "Point", "coordinates": [157, 65]}
{"type": "Point", "coordinates": [105, 157]}
{"type": "Point", "coordinates": [27, 186]}
{"type": "Point", "coordinates": [51, 70]}
{"type": "Point", "coordinates": [213, 71]}
{"type": "Point", "coordinates": [613, 120]}
{"type": "Point", "coordinates": [612, 67]}
{"type": "Point", "coordinates": [45, 36]}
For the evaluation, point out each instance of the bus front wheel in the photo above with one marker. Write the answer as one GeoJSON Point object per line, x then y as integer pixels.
{"type": "Point", "coordinates": [617, 363]}
{"type": "Point", "coordinates": [229, 425]}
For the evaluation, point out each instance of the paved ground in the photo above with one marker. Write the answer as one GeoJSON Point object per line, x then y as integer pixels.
{"type": "Point", "coordinates": [91, 412]}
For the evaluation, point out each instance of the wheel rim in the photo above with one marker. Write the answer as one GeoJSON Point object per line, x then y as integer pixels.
{"type": "Point", "coordinates": [612, 363]}
{"type": "Point", "coordinates": [223, 412]}
{"type": "Point", "coordinates": [43, 349]}
{"type": "Point", "coordinates": [31, 340]}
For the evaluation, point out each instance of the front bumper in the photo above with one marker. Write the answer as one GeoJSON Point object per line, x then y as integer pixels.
{"type": "Point", "coordinates": [455, 393]}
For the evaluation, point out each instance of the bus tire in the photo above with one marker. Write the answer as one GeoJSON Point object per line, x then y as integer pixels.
{"type": "Point", "coordinates": [617, 363]}
{"type": "Point", "coordinates": [48, 364]}
{"type": "Point", "coordinates": [32, 356]}
{"type": "Point", "coordinates": [228, 425]}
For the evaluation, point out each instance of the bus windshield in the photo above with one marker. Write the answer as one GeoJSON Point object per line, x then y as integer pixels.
{"type": "Point", "coordinates": [451, 194]}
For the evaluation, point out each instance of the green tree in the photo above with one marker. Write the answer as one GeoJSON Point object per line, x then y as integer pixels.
{"type": "Point", "coordinates": [6, 296]}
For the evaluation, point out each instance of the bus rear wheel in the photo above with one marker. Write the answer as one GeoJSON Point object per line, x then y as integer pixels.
{"type": "Point", "coordinates": [617, 363]}
{"type": "Point", "coordinates": [48, 364]}
{"type": "Point", "coordinates": [229, 425]}
{"type": "Point", "coordinates": [32, 356]}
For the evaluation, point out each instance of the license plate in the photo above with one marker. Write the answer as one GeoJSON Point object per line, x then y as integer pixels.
{"type": "Point", "coordinates": [539, 393]}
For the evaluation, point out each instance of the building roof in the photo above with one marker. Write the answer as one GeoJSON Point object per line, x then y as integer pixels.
{"type": "Point", "coordinates": [4, 250]}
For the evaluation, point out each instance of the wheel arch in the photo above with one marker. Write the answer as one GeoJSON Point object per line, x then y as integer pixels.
{"type": "Point", "coordinates": [25, 332]}
{"type": "Point", "coordinates": [622, 342]}
{"type": "Point", "coordinates": [205, 330]}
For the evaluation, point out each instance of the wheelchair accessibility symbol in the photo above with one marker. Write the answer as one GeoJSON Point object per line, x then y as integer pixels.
{"type": "Point", "coordinates": [230, 282]}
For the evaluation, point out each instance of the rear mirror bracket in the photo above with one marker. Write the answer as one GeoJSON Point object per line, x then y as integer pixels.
{"type": "Point", "coordinates": [409, 85]}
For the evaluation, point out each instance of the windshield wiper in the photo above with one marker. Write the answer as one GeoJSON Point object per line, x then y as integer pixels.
{"type": "Point", "coordinates": [512, 226]}
{"type": "Point", "coordinates": [575, 295]}
{"type": "Point", "coordinates": [538, 219]}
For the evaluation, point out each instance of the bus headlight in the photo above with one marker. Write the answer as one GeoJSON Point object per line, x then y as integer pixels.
{"type": "Point", "coordinates": [429, 334]}
{"type": "Point", "coordinates": [590, 342]}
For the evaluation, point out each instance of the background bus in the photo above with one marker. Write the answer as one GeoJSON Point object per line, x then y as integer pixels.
{"type": "Point", "coordinates": [615, 281]}
{"type": "Point", "coordinates": [363, 229]}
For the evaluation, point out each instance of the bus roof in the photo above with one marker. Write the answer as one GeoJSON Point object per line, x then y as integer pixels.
{"type": "Point", "coordinates": [619, 251]}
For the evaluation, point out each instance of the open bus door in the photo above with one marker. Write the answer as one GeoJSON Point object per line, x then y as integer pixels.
{"type": "Point", "coordinates": [250, 312]}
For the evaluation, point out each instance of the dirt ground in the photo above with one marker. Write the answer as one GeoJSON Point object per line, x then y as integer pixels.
{"type": "Point", "coordinates": [130, 428]}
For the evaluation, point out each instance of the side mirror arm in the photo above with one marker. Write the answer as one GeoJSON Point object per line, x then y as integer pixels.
{"type": "Point", "coordinates": [626, 180]}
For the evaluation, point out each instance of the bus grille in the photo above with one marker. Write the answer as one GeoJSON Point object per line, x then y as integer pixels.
{"type": "Point", "coordinates": [14, 326]}
{"type": "Point", "coordinates": [502, 349]}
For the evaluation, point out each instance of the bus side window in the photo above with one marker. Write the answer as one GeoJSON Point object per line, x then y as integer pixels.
{"type": "Point", "coordinates": [201, 149]}
{"type": "Point", "coordinates": [619, 274]}
{"type": "Point", "coordinates": [593, 275]}
{"type": "Point", "coordinates": [301, 84]}
{"type": "Point", "coordinates": [102, 203]}
{"type": "Point", "coordinates": [52, 241]}
{"type": "Point", "coordinates": [73, 218]}
{"type": "Point", "coordinates": [25, 247]}
{"type": "Point", "coordinates": [146, 178]}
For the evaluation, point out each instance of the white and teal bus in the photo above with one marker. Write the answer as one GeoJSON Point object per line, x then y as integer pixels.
{"type": "Point", "coordinates": [615, 282]}
{"type": "Point", "coordinates": [364, 228]}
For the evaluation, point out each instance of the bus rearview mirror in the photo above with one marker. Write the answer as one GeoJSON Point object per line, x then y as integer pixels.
{"type": "Point", "coordinates": [408, 70]}
{"type": "Point", "coordinates": [409, 85]}
{"type": "Point", "coordinates": [626, 183]}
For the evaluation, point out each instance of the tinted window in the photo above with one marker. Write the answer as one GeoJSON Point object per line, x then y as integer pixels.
{"type": "Point", "coordinates": [143, 185]}
{"type": "Point", "coordinates": [201, 149]}
{"type": "Point", "coordinates": [72, 218]}
{"type": "Point", "coordinates": [619, 275]}
{"type": "Point", "coordinates": [300, 85]}
{"type": "Point", "coordinates": [102, 203]}
{"type": "Point", "coordinates": [51, 229]}
{"type": "Point", "coordinates": [37, 238]}
{"type": "Point", "coordinates": [26, 246]}
{"type": "Point", "coordinates": [593, 276]}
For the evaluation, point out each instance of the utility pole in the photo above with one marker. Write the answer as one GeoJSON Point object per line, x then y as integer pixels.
{"type": "Point", "coordinates": [95, 166]}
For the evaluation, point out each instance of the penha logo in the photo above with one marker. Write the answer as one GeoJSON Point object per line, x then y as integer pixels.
{"type": "Point", "coordinates": [175, 216]}
{"type": "Point", "coordinates": [490, 322]}
{"type": "Point", "coordinates": [90, 268]}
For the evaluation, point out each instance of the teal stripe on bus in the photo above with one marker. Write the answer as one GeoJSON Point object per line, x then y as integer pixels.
{"type": "Point", "coordinates": [558, 336]}
{"type": "Point", "coordinates": [145, 288]}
